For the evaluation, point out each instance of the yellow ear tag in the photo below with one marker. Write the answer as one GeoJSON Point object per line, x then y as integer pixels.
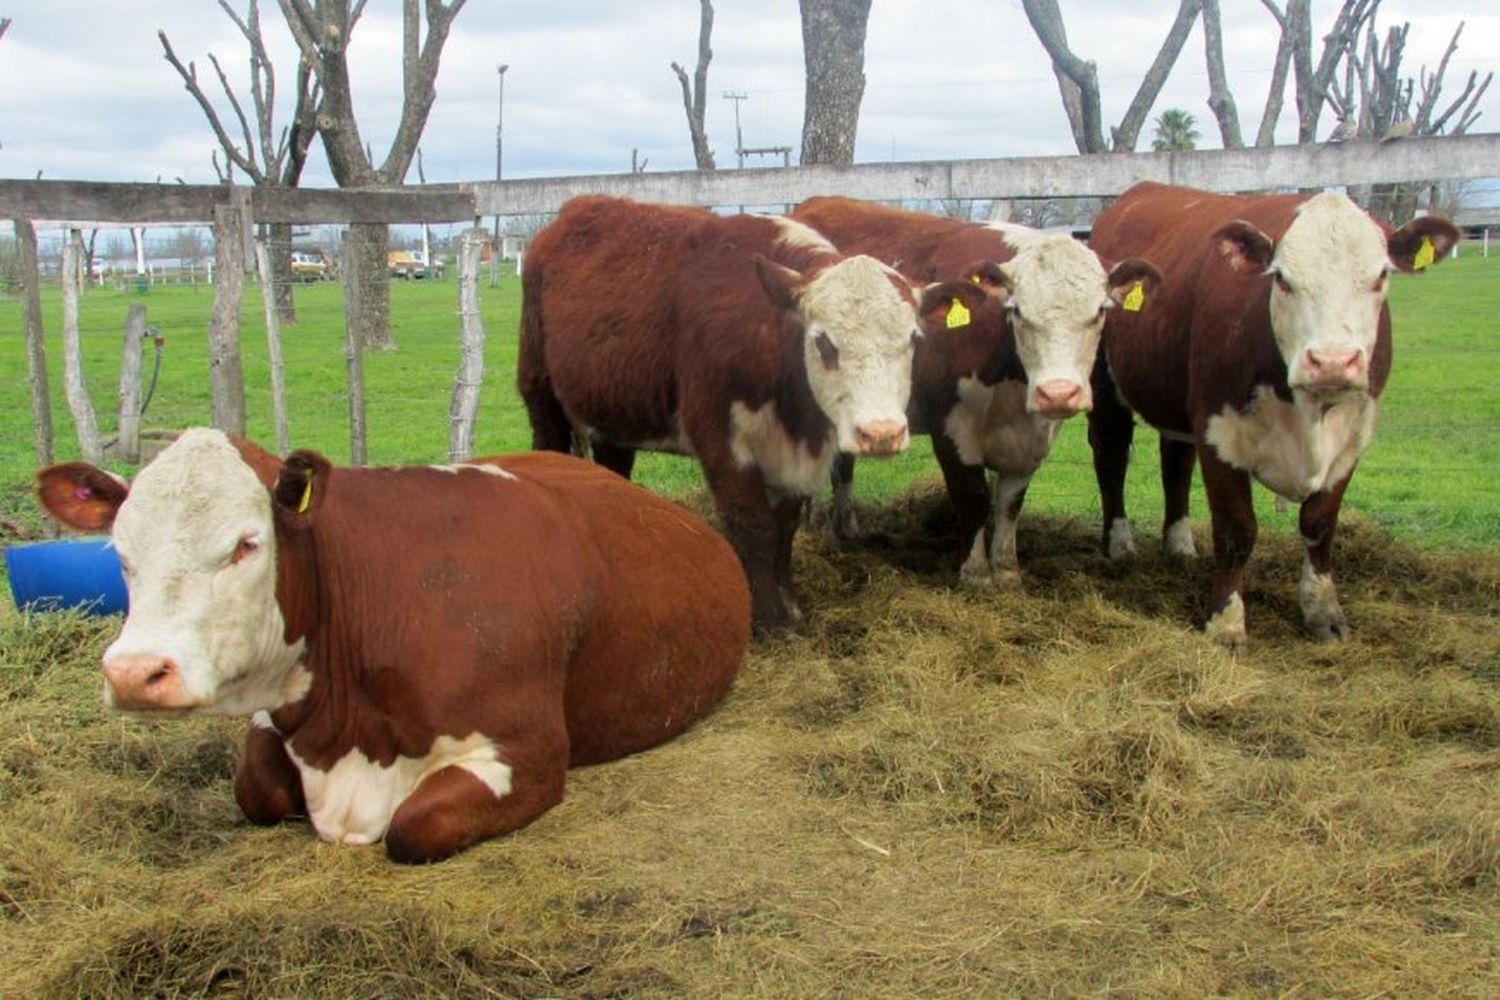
{"type": "Point", "coordinates": [958, 315]}
{"type": "Point", "coordinates": [1425, 255]}
{"type": "Point", "coordinates": [306, 500]}
{"type": "Point", "coordinates": [976, 279]}
{"type": "Point", "coordinates": [1134, 299]}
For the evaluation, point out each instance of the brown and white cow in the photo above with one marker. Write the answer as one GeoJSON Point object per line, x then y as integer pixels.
{"type": "Point", "coordinates": [992, 382]}
{"type": "Point", "coordinates": [1264, 356]}
{"type": "Point", "coordinates": [745, 341]}
{"type": "Point", "coordinates": [424, 651]}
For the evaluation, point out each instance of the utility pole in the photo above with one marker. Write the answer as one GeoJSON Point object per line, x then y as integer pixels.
{"type": "Point", "coordinates": [497, 248]}
{"type": "Point", "coordinates": [739, 144]}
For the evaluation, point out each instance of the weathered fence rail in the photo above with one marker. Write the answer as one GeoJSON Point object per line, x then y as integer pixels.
{"type": "Point", "coordinates": [1462, 157]}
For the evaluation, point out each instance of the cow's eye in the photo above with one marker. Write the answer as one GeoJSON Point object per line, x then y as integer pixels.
{"type": "Point", "coordinates": [246, 546]}
{"type": "Point", "coordinates": [1281, 282]}
{"type": "Point", "coordinates": [827, 351]}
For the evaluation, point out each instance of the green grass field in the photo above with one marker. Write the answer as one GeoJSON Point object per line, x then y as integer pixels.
{"type": "Point", "coordinates": [1427, 479]}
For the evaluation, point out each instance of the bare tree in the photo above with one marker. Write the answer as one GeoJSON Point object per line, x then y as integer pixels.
{"type": "Point", "coordinates": [695, 96]}
{"type": "Point", "coordinates": [1220, 99]}
{"type": "Point", "coordinates": [269, 159]}
{"type": "Point", "coordinates": [1078, 78]}
{"type": "Point", "coordinates": [833, 50]}
{"type": "Point", "coordinates": [322, 29]}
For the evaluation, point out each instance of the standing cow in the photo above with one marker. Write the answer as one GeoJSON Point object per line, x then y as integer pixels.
{"type": "Point", "coordinates": [1264, 356]}
{"type": "Point", "coordinates": [424, 651]}
{"type": "Point", "coordinates": [745, 341]}
{"type": "Point", "coordinates": [992, 391]}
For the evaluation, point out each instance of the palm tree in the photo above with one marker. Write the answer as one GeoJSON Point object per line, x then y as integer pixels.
{"type": "Point", "coordinates": [1175, 131]}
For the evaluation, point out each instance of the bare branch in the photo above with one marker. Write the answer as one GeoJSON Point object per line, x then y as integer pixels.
{"type": "Point", "coordinates": [695, 98]}
{"type": "Point", "coordinates": [1276, 91]}
{"type": "Point", "coordinates": [1220, 98]}
{"type": "Point", "coordinates": [234, 103]}
{"type": "Point", "coordinates": [1082, 102]}
{"type": "Point", "coordinates": [190, 80]}
{"type": "Point", "coordinates": [1129, 131]}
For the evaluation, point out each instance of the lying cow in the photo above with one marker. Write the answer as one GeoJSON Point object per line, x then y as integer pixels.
{"type": "Point", "coordinates": [1264, 356]}
{"type": "Point", "coordinates": [747, 342]}
{"type": "Point", "coordinates": [424, 651]}
{"type": "Point", "coordinates": [992, 387]}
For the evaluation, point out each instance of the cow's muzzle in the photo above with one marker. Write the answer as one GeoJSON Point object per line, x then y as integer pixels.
{"type": "Point", "coordinates": [880, 437]}
{"type": "Point", "coordinates": [1059, 398]}
{"type": "Point", "coordinates": [1334, 369]}
{"type": "Point", "coordinates": [146, 683]}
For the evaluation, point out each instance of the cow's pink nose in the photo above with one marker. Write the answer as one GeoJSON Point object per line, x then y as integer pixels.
{"type": "Point", "coordinates": [1334, 369]}
{"type": "Point", "coordinates": [880, 437]}
{"type": "Point", "coordinates": [145, 682]}
{"type": "Point", "coordinates": [1058, 397]}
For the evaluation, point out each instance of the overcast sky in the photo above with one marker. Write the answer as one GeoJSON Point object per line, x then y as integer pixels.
{"type": "Point", "coordinates": [87, 94]}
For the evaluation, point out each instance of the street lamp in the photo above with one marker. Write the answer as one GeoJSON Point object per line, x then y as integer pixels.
{"type": "Point", "coordinates": [499, 159]}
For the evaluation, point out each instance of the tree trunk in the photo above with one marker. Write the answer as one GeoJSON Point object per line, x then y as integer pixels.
{"type": "Point", "coordinates": [279, 250]}
{"type": "Point", "coordinates": [833, 49]}
{"type": "Point", "coordinates": [465, 404]}
{"type": "Point", "coordinates": [1276, 91]}
{"type": "Point", "coordinates": [695, 98]}
{"type": "Point", "coordinates": [354, 355]}
{"type": "Point", "coordinates": [225, 371]}
{"type": "Point", "coordinates": [365, 268]}
{"type": "Point", "coordinates": [36, 349]}
{"type": "Point", "coordinates": [1220, 99]}
{"type": "Point", "coordinates": [128, 430]}
{"type": "Point", "coordinates": [1128, 133]}
{"type": "Point", "coordinates": [1077, 79]}
{"type": "Point", "coordinates": [270, 302]}
{"type": "Point", "coordinates": [79, 403]}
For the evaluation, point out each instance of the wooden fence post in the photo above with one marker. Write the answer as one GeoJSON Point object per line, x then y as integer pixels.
{"type": "Point", "coordinates": [465, 405]}
{"type": "Point", "coordinates": [225, 370]}
{"type": "Point", "coordinates": [36, 348]}
{"type": "Point", "coordinates": [272, 299]}
{"type": "Point", "coordinates": [129, 426]}
{"type": "Point", "coordinates": [354, 359]}
{"type": "Point", "coordinates": [79, 403]}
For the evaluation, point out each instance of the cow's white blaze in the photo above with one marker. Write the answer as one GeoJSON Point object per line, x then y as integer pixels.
{"type": "Point", "coordinates": [857, 309]}
{"type": "Point", "coordinates": [1294, 449]}
{"type": "Point", "coordinates": [1057, 301]}
{"type": "Point", "coordinates": [1329, 286]}
{"type": "Point", "coordinates": [192, 600]}
{"type": "Point", "coordinates": [353, 801]}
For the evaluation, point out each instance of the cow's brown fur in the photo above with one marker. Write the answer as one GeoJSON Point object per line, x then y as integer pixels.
{"type": "Point", "coordinates": [1202, 343]}
{"type": "Point", "coordinates": [643, 325]}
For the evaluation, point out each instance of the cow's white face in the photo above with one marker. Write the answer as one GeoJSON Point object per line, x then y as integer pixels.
{"type": "Point", "coordinates": [1059, 294]}
{"type": "Point", "coordinates": [204, 633]}
{"type": "Point", "coordinates": [860, 323]}
{"type": "Point", "coordinates": [1329, 276]}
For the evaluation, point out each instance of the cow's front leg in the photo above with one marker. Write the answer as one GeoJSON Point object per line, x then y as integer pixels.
{"type": "Point", "coordinates": [1234, 530]}
{"type": "Point", "coordinates": [267, 785]}
{"type": "Point", "coordinates": [1319, 597]}
{"type": "Point", "coordinates": [969, 492]}
{"type": "Point", "coordinates": [1177, 459]}
{"type": "Point", "coordinates": [1111, 428]}
{"type": "Point", "coordinates": [752, 527]}
{"type": "Point", "coordinates": [464, 803]}
{"type": "Point", "coordinates": [1010, 494]}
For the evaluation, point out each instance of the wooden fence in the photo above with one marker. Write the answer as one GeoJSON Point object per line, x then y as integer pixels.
{"type": "Point", "coordinates": [236, 210]}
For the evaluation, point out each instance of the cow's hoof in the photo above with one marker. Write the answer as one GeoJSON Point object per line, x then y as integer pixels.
{"type": "Point", "coordinates": [1227, 626]}
{"type": "Point", "coordinates": [1007, 581]}
{"type": "Point", "coordinates": [1120, 545]}
{"type": "Point", "coordinates": [975, 576]}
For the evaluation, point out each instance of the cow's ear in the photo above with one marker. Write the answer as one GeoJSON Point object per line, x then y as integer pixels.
{"type": "Point", "coordinates": [1244, 247]}
{"type": "Point", "coordinates": [1421, 243]}
{"type": "Point", "coordinates": [989, 278]}
{"type": "Point", "coordinates": [782, 284]}
{"type": "Point", "coordinates": [81, 495]}
{"type": "Point", "coordinates": [300, 486]}
{"type": "Point", "coordinates": [949, 305]}
{"type": "Point", "coordinates": [1131, 274]}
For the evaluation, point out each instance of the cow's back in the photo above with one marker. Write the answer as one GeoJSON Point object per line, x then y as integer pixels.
{"type": "Point", "coordinates": [670, 616]}
{"type": "Point", "coordinates": [923, 247]}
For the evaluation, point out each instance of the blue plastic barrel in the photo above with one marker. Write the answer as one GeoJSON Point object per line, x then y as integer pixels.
{"type": "Point", "coordinates": [82, 573]}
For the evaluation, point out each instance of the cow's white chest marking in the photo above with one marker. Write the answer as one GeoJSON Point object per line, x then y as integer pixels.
{"type": "Point", "coordinates": [758, 438]}
{"type": "Point", "coordinates": [1295, 449]}
{"type": "Point", "coordinates": [990, 427]}
{"type": "Point", "coordinates": [353, 801]}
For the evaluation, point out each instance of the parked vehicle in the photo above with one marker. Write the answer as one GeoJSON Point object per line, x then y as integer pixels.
{"type": "Point", "coordinates": [412, 264]}
{"type": "Point", "coordinates": [308, 266]}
